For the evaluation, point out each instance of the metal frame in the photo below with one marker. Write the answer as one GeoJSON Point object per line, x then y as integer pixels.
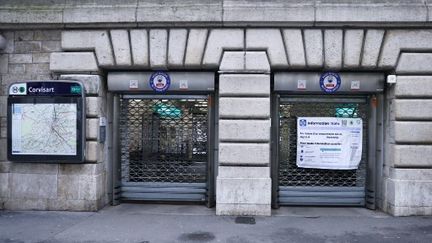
{"type": "Point", "coordinates": [116, 168]}
{"type": "Point", "coordinates": [374, 159]}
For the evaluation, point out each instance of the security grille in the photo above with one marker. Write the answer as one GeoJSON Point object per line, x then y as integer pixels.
{"type": "Point", "coordinates": [164, 149]}
{"type": "Point", "coordinates": [305, 186]}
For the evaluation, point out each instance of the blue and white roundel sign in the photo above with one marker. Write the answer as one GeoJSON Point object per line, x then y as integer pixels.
{"type": "Point", "coordinates": [330, 82]}
{"type": "Point", "coordinates": [160, 81]}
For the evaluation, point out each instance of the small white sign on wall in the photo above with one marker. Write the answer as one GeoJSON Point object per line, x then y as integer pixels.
{"type": "Point", "coordinates": [329, 142]}
{"type": "Point", "coordinates": [133, 84]}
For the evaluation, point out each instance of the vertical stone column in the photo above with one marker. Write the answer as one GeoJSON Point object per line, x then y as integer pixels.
{"type": "Point", "coordinates": [82, 187]}
{"type": "Point", "coordinates": [243, 184]}
{"type": "Point", "coordinates": [408, 164]}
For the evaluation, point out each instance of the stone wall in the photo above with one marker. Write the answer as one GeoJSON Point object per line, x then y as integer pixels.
{"type": "Point", "coordinates": [244, 58]}
{"type": "Point", "coordinates": [408, 168]}
{"type": "Point", "coordinates": [49, 186]}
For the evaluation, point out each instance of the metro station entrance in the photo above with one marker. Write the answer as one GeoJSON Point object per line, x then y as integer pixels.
{"type": "Point", "coordinates": [164, 145]}
{"type": "Point", "coordinates": [297, 184]}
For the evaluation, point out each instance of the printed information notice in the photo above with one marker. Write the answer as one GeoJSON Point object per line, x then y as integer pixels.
{"type": "Point", "coordinates": [329, 142]}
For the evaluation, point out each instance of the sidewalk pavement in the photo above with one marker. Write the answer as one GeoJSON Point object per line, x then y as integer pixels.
{"type": "Point", "coordinates": [154, 223]}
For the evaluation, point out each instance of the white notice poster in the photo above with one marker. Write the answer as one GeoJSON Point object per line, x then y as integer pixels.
{"type": "Point", "coordinates": [329, 142]}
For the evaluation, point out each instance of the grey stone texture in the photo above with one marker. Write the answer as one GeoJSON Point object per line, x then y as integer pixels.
{"type": "Point", "coordinates": [121, 47]}
{"type": "Point", "coordinates": [158, 48]}
{"type": "Point", "coordinates": [333, 49]}
{"type": "Point", "coordinates": [409, 192]}
{"type": "Point", "coordinates": [414, 63]}
{"type": "Point", "coordinates": [269, 40]}
{"type": "Point", "coordinates": [314, 48]}
{"type": "Point", "coordinates": [255, 85]}
{"type": "Point", "coordinates": [240, 107]}
{"type": "Point", "coordinates": [41, 186]}
{"type": "Point", "coordinates": [20, 58]}
{"type": "Point", "coordinates": [217, 43]}
{"type": "Point", "coordinates": [232, 61]}
{"type": "Point", "coordinates": [295, 49]}
{"type": "Point", "coordinates": [407, 40]}
{"type": "Point", "coordinates": [333, 40]}
{"type": "Point", "coordinates": [73, 62]}
{"type": "Point", "coordinates": [370, 11]}
{"type": "Point", "coordinates": [261, 12]}
{"type": "Point", "coordinates": [408, 87]}
{"type": "Point", "coordinates": [196, 42]}
{"type": "Point", "coordinates": [417, 156]}
{"type": "Point", "coordinates": [243, 191]}
{"type": "Point", "coordinates": [244, 130]}
{"type": "Point", "coordinates": [235, 154]}
{"type": "Point", "coordinates": [93, 106]}
{"type": "Point", "coordinates": [91, 40]}
{"type": "Point", "coordinates": [92, 128]}
{"type": "Point", "coordinates": [139, 47]}
{"type": "Point", "coordinates": [179, 11]}
{"type": "Point", "coordinates": [215, 12]}
{"type": "Point", "coordinates": [239, 48]}
{"type": "Point", "coordinates": [413, 109]}
{"type": "Point", "coordinates": [176, 47]}
{"type": "Point", "coordinates": [353, 44]}
{"type": "Point", "coordinates": [244, 61]}
{"type": "Point", "coordinates": [371, 49]}
{"type": "Point", "coordinates": [257, 61]}
{"type": "Point", "coordinates": [244, 135]}
{"type": "Point", "coordinates": [413, 132]}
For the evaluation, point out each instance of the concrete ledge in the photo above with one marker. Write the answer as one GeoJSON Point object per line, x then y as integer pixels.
{"type": "Point", "coordinates": [244, 154]}
{"type": "Point", "coordinates": [89, 40]}
{"type": "Point", "coordinates": [244, 130]}
{"type": "Point", "coordinates": [243, 191]}
{"type": "Point", "coordinates": [411, 174]}
{"type": "Point", "coordinates": [214, 12]}
{"type": "Point", "coordinates": [412, 155]}
{"type": "Point", "coordinates": [236, 172]}
{"type": "Point", "coordinates": [409, 192]}
{"type": "Point", "coordinates": [4, 186]}
{"type": "Point", "coordinates": [397, 40]}
{"type": "Point", "coordinates": [271, 41]}
{"type": "Point", "coordinates": [53, 204]}
{"type": "Point", "coordinates": [244, 107]}
{"type": "Point", "coordinates": [371, 48]}
{"type": "Point", "coordinates": [257, 85]}
{"type": "Point", "coordinates": [294, 45]}
{"type": "Point", "coordinates": [234, 209]}
{"type": "Point", "coordinates": [73, 62]}
{"type": "Point", "coordinates": [408, 87]}
{"type": "Point", "coordinates": [217, 43]}
{"type": "Point", "coordinates": [414, 63]}
{"type": "Point", "coordinates": [420, 109]}
{"type": "Point", "coordinates": [412, 132]}
{"type": "Point", "coordinates": [408, 211]}
{"type": "Point", "coordinates": [232, 61]}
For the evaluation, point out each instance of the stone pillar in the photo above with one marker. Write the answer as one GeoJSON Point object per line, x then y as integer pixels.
{"type": "Point", "coordinates": [243, 184]}
{"type": "Point", "coordinates": [82, 187]}
{"type": "Point", "coordinates": [408, 164]}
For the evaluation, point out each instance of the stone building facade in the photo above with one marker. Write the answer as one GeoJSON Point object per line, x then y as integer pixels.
{"type": "Point", "coordinates": [243, 43]}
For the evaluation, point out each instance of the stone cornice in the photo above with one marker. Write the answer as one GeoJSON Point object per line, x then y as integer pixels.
{"type": "Point", "coordinates": [140, 13]}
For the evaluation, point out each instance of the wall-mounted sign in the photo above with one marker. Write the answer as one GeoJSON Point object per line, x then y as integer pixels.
{"type": "Point", "coordinates": [330, 82]}
{"type": "Point", "coordinates": [160, 81]}
{"type": "Point", "coordinates": [329, 142]}
{"type": "Point", "coordinates": [46, 122]}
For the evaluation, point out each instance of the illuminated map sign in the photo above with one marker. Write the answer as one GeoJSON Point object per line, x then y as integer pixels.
{"type": "Point", "coordinates": [45, 121]}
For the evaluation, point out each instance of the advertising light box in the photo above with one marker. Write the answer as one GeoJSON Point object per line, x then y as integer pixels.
{"type": "Point", "coordinates": [46, 122]}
